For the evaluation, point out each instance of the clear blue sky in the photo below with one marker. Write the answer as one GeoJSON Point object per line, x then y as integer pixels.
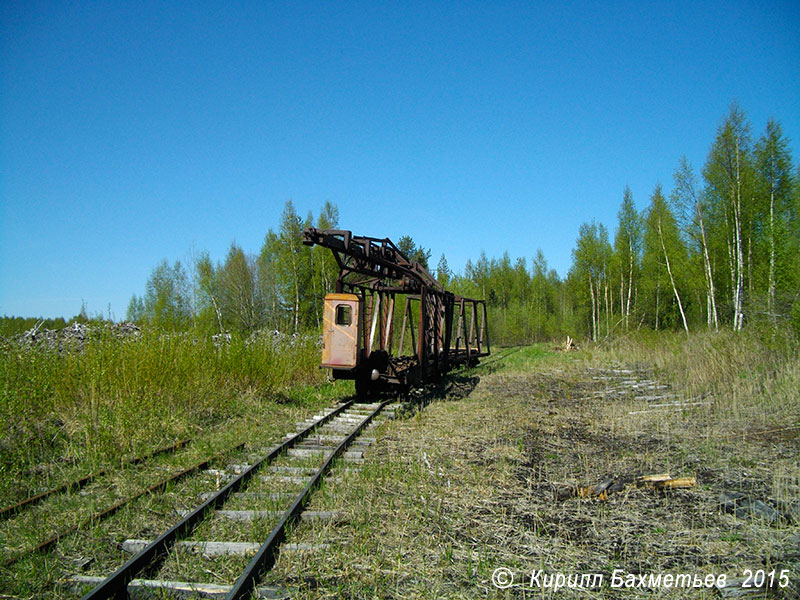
{"type": "Point", "coordinates": [136, 131]}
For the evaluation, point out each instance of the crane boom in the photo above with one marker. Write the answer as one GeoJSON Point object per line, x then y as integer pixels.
{"type": "Point", "coordinates": [375, 260]}
{"type": "Point", "coordinates": [450, 329]}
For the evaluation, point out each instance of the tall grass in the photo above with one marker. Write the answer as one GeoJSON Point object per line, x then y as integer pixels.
{"type": "Point", "coordinates": [119, 397]}
{"type": "Point", "coordinates": [752, 375]}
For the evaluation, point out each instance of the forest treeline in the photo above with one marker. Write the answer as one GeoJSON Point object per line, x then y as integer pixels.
{"type": "Point", "coordinates": [720, 250]}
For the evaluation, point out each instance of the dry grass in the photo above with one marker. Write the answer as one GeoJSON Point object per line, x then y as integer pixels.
{"type": "Point", "coordinates": [471, 484]}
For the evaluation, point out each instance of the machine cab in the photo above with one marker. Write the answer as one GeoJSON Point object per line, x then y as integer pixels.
{"type": "Point", "coordinates": [341, 331]}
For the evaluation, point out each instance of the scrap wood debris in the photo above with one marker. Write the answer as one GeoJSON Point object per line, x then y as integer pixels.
{"type": "Point", "coordinates": [611, 485]}
{"type": "Point", "coordinates": [568, 346]}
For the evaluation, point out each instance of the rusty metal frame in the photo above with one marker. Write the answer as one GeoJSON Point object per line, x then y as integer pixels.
{"type": "Point", "coordinates": [377, 271]}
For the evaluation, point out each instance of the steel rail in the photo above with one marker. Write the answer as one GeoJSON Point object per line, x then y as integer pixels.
{"type": "Point", "coordinates": [265, 557]}
{"type": "Point", "coordinates": [115, 585]}
{"type": "Point", "coordinates": [9, 511]}
{"type": "Point", "coordinates": [99, 516]}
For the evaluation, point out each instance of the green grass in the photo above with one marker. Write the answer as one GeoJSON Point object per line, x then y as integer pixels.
{"type": "Point", "coordinates": [78, 411]}
{"type": "Point", "coordinates": [74, 413]}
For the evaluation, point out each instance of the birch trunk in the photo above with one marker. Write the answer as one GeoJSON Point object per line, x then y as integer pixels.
{"type": "Point", "coordinates": [630, 281]}
{"type": "Point", "coordinates": [737, 215]}
{"type": "Point", "coordinates": [771, 295]}
{"type": "Point", "coordinates": [711, 296]}
{"type": "Point", "coordinates": [672, 279]}
{"type": "Point", "coordinates": [658, 301]}
{"type": "Point", "coordinates": [594, 316]}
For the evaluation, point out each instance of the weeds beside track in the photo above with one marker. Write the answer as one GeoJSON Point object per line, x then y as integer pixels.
{"type": "Point", "coordinates": [69, 413]}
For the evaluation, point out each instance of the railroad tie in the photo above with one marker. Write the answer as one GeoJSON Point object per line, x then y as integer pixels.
{"type": "Point", "coordinates": [252, 495]}
{"type": "Point", "coordinates": [147, 589]}
{"type": "Point", "coordinates": [222, 548]}
{"type": "Point", "coordinates": [252, 515]}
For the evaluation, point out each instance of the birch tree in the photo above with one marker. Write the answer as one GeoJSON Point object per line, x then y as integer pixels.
{"type": "Point", "coordinates": [674, 254]}
{"type": "Point", "coordinates": [627, 248]}
{"type": "Point", "coordinates": [590, 263]}
{"type": "Point", "coordinates": [773, 167]}
{"type": "Point", "coordinates": [166, 301]}
{"type": "Point", "coordinates": [292, 273]}
{"type": "Point", "coordinates": [268, 279]}
{"type": "Point", "coordinates": [728, 176]}
{"type": "Point", "coordinates": [240, 302]}
{"type": "Point", "coordinates": [690, 214]}
{"type": "Point", "coordinates": [207, 293]}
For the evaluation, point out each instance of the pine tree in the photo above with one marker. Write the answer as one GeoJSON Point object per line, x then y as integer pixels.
{"type": "Point", "coordinates": [327, 269]}
{"type": "Point", "coordinates": [443, 273]}
{"type": "Point", "coordinates": [671, 246]}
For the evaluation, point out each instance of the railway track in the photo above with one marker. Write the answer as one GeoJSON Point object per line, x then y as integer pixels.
{"type": "Point", "coordinates": [13, 509]}
{"type": "Point", "coordinates": [97, 516]}
{"type": "Point", "coordinates": [267, 496]}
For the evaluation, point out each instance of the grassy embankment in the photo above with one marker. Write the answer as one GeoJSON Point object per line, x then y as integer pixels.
{"type": "Point", "coordinates": [67, 414]}
{"type": "Point", "coordinates": [472, 484]}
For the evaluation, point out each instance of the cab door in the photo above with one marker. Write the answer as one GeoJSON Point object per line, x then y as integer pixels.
{"type": "Point", "coordinates": [340, 331]}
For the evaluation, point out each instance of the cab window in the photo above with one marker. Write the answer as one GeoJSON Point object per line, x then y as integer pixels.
{"type": "Point", "coordinates": [343, 314]}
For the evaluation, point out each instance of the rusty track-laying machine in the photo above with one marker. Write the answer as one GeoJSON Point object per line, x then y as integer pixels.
{"type": "Point", "coordinates": [444, 330]}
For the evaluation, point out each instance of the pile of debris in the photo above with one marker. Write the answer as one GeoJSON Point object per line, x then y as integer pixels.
{"type": "Point", "coordinates": [278, 339]}
{"type": "Point", "coordinates": [568, 346]}
{"type": "Point", "coordinates": [611, 485]}
{"type": "Point", "coordinates": [73, 337]}
{"type": "Point", "coordinates": [639, 384]}
{"type": "Point", "coordinates": [221, 339]}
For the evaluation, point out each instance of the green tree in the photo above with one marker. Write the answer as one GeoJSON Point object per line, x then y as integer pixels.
{"type": "Point", "coordinates": [326, 269]}
{"type": "Point", "coordinates": [690, 213]}
{"type": "Point", "coordinates": [294, 266]}
{"type": "Point", "coordinates": [267, 279]}
{"type": "Point", "coordinates": [664, 263]}
{"type": "Point", "coordinates": [416, 253]}
{"type": "Point", "coordinates": [135, 312]}
{"type": "Point", "coordinates": [589, 271]}
{"type": "Point", "coordinates": [207, 294]}
{"type": "Point", "coordinates": [540, 294]}
{"type": "Point", "coordinates": [166, 301]}
{"type": "Point", "coordinates": [729, 177]}
{"type": "Point", "coordinates": [443, 273]}
{"type": "Point", "coordinates": [240, 303]}
{"type": "Point", "coordinates": [627, 249]}
{"type": "Point", "coordinates": [773, 168]}
{"type": "Point", "coordinates": [672, 248]}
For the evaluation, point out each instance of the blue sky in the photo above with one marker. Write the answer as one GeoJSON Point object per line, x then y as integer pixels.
{"type": "Point", "coordinates": [132, 132]}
